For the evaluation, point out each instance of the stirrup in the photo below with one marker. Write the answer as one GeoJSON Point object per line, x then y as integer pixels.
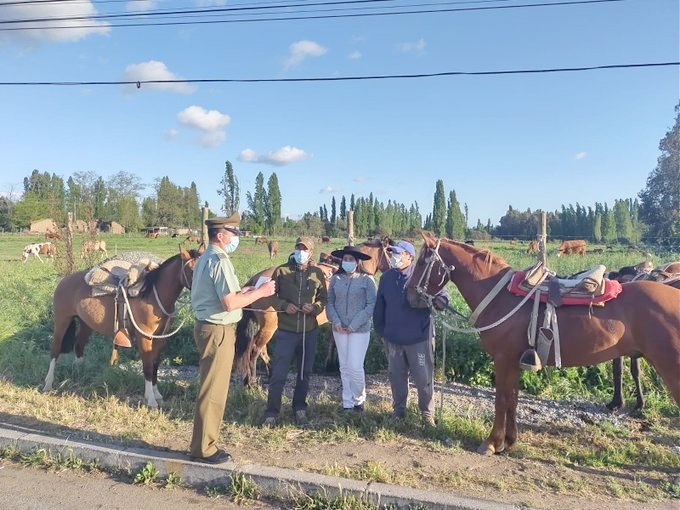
{"type": "Point", "coordinates": [530, 361]}
{"type": "Point", "coordinates": [122, 338]}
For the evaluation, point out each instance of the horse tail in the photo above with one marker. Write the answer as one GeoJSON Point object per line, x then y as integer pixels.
{"type": "Point", "coordinates": [244, 343]}
{"type": "Point", "coordinates": [69, 339]}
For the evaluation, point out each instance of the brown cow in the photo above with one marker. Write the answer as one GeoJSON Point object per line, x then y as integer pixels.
{"type": "Point", "coordinates": [533, 246]}
{"type": "Point", "coordinates": [576, 246]}
{"type": "Point", "coordinates": [261, 240]}
{"type": "Point", "coordinates": [273, 249]}
{"type": "Point", "coordinates": [93, 246]}
{"type": "Point", "coordinates": [52, 235]}
{"type": "Point", "coordinates": [325, 239]}
{"type": "Point", "coordinates": [193, 239]}
{"type": "Point", "coordinates": [37, 249]}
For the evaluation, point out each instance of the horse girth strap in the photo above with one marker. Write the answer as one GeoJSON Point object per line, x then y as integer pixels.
{"type": "Point", "coordinates": [490, 296]}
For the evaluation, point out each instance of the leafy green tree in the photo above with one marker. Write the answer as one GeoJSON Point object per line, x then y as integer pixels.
{"type": "Point", "coordinates": [439, 210]}
{"type": "Point", "coordinates": [149, 212]}
{"type": "Point", "coordinates": [273, 215]}
{"type": "Point", "coordinates": [609, 234]}
{"type": "Point", "coordinates": [230, 190]}
{"type": "Point", "coordinates": [343, 208]}
{"type": "Point", "coordinates": [660, 200]}
{"type": "Point", "coordinates": [597, 227]}
{"type": "Point", "coordinates": [624, 226]}
{"type": "Point", "coordinates": [455, 221]}
{"type": "Point", "coordinates": [257, 204]}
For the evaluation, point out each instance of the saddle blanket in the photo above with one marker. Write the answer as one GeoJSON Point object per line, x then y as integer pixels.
{"type": "Point", "coordinates": [612, 288]}
{"type": "Point", "coordinates": [127, 269]}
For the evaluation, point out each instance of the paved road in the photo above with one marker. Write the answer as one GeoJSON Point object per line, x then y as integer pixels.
{"type": "Point", "coordinates": [29, 488]}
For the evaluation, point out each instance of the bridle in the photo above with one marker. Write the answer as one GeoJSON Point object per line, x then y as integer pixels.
{"type": "Point", "coordinates": [444, 269]}
{"type": "Point", "coordinates": [185, 278]}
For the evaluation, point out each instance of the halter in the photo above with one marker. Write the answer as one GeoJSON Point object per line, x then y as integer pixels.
{"type": "Point", "coordinates": [187, 283]}
{"type": "Point", "coordinates": [421, 288]}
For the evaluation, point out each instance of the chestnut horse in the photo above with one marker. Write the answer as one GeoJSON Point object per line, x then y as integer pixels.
{"type": "Point", "coordinates": [644, 319]}
{"type": "Point", "coordinates": [259, 322]}
{"type": "Point", "coordinates": [151, 310]}
{"type": "Point", "coordinates": [642, 271]}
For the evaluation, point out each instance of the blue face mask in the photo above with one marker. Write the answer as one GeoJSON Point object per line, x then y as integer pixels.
{"type": "Point", "coordinates": [301, 256]}
{"type": "Point", "coordinates": [233, 244]}
{"type": "Point", "coordinates": [349, 266]}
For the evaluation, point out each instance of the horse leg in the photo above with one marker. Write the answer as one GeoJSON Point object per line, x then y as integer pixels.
{"type": "Point", "coordinates": [617, 400]}
{"type": "Point", "coordinates": [64, 326]}
{"type": "Point", "coordinates": [635, 372]}
{"type": "Point", "coordinates": [158, 347]}
{"type": "Point", "coordinates": [83, 336]}
{"type": "Point", "coordinates": [507, 382]}
{"type": "Point", "coordinates": [147, 355]}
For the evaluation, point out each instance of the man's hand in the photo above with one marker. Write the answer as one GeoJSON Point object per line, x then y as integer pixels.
{"type": "Point", "coordinates": [439, 303]}
{"type": "Point", "coordinates": [307, 308]}
{"type": "Point", "coordinates": [268, 288]}
{"type": "Point", "coordinates": [291, 309]}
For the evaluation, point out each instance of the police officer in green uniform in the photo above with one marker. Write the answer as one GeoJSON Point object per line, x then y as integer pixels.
{"type": "Point", "coordinates": [217, 299]}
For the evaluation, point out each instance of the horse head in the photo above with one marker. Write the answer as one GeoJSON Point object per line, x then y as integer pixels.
{"type": "Point", "coordinates": [430, 273]}
{"type": "Point", "coordinates": [189, 259]}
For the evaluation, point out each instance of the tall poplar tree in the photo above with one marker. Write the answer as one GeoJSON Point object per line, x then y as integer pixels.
{"type": "Point", "coordinates": [273, 205]}
{"type": "Point", "coordinates": [230, 190]}
{"type": "Point", "coordinates": [439, 210]}
{"type": "Point", "coordinates": [257, 204]}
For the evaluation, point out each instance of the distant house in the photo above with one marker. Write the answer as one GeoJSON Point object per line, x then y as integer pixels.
{"type": "Point", "coordinates": [112, 227]}
{"type": "Point", "coordinates": [183, 231]}
{"type": "Point", "coordinates": [43, 226]}
{"type": "Point", "coordinates": [80, 226]}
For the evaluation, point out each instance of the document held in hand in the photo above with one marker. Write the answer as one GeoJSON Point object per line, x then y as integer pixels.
{"type": "Point", "coordinates": [261, 280]}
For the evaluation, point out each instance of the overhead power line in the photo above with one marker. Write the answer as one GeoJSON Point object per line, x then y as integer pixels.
{"type": "Point", "coordinates": [44, 22]}
{"type": "Point", "coordinates": [139, 83]}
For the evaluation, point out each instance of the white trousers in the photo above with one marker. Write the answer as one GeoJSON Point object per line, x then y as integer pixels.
{"type": "Point", "coordinates": [352, 349]}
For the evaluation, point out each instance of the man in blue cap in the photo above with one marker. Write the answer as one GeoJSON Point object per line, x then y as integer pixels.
{"type": "Point", "coordinates": [408, 334]}
{"type": "Point", "coordinates": [217, 299]}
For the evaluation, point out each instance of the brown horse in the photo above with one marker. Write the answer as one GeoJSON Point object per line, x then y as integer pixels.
{"type": "Point", "coordinates": [644, 319]}
{"type": "Point", "coordinates": [273, 249]}
{"type": "Point", "coordinates": [259, 322]}
{"type": "Point", "coordinates": [150, 310]}
{"type": "Point", "coordinates": [642, 271]}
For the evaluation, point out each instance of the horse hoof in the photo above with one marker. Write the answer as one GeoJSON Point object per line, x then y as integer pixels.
{"type": "Point", "coordinates": [486, 449]}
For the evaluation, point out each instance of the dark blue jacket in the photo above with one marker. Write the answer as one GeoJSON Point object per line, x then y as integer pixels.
{"type": "Point", "coordinates": [393, 318]}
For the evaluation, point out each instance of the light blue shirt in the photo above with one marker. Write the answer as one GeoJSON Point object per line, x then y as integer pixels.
{"type": "Point", "coordinates": [214, 278]}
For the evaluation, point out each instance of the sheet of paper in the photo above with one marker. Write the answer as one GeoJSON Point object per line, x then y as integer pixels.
{"type": "Point", "coordinates": [261, 280]}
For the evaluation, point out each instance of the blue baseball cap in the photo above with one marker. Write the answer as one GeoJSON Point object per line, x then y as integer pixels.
{"type": "Point", "coordinates": [403, 246]}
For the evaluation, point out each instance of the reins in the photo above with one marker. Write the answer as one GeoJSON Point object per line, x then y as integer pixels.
{"type": "Point", "coordinates": [472, 319]}
{"type": "Point", "coordinates": [172, 314]}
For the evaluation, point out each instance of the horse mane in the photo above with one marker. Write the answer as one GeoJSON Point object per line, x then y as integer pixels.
{"type": "Point", "coordinates": [482, 258]}
{"type": "Point", "coordinates": [154, 275]}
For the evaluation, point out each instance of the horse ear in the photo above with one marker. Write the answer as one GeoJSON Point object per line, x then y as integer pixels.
{"type": "Point", "coordinates": [428, 237]}
{"type": "Point", "coordinates": [184, 253]}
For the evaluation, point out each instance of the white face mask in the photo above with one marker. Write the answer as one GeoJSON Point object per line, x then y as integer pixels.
{"type": "Point", "coordinates": [395, 261]}
{"type": "Point", "coordinates": [301, 256]}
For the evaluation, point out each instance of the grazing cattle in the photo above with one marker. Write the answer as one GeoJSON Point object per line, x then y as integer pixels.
{"type": "Point", "coordinates": [576, 246]}
{"type": "Point", "coordinates": [94, 246]}
{"type": "Point", "coordinates": [533, 246]}
{"type": "Point", "coordinates": [151, 235]}
{"type": "Point", "coordinates": [273, 248]}
{"type": "Point", "coordinates": [325, 239]}
{"type": "Point", "coordinates": [261, 240]}
{"type": "Point", "coordinates": [52, 235]}
{"type": "Point", "coordinates": [193, 239]}
{"type": "Point", "coordinates": [37, 249]}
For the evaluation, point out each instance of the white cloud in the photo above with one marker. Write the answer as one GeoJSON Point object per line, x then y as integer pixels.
{"type": "Point", "coordinates": [330, 189]}
{"type": "Point", "coordinates": [301, 50]}
{"type": "Point", "coordinates": [40, 31]}
{"type": "Point", "coordinates": [413, 47]}
{"type": "Point", "coordinates": [580, 155]}
{"type": "Point", "coordinates": [280, 157]}
{"type": "Point", "coordinates": [355, 55]}
{"type": "Point", "coordinates": [171, 134]}
{"type": "Point", "coordinates": [140, 5]}
{"type": "Point", "coordinates": [211, 123]}
{"type": "Point", "coordinates": [153, 70]}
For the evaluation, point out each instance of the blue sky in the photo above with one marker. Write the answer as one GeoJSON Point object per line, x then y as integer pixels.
{"type": "Point", "coordinates": [527, 140]}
